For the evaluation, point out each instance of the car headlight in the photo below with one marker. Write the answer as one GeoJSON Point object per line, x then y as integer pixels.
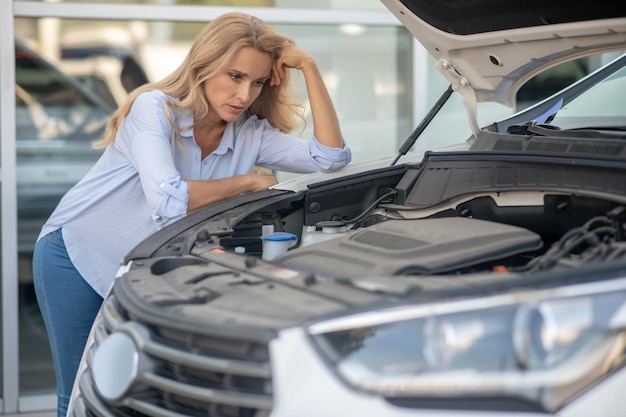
{"type": "Point", "coordinates": [539, 347]}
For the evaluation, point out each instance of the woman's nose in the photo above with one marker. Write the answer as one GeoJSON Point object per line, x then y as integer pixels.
{"type": "Point", "coordinates": [243, 93]}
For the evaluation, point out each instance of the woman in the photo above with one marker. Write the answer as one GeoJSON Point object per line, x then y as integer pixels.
{"type": "Point", "coordinates": [189, 140]}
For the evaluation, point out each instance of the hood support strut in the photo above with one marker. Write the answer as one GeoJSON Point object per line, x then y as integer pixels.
{"type": "Point", "coordinates": [410, 141]}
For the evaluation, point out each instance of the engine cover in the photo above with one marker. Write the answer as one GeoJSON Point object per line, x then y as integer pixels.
{"type": "Point", "coordinates": [399, 247]}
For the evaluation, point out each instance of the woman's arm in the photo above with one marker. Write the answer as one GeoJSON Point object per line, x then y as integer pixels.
{"type": "Point", "coordinates": [203, 192]}
{"type": "Point", "coordinates": [325, 122]}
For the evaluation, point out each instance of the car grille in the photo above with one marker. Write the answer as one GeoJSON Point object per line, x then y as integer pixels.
{"type": "Point", "coordinates": [192, 374]}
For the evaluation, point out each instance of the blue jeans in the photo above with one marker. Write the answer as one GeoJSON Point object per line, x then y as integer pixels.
{"type": "Point", "coordinates": [68, 306]}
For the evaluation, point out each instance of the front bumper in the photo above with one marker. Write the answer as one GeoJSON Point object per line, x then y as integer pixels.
{"type": "Point", "coordinates": [285, 377]}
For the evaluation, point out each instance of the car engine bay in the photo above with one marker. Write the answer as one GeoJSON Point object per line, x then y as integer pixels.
{"type": "Point", "coordinates": [451, 215]}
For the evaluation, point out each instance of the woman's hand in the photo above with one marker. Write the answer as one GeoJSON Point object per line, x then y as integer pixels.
{"type": "Point", "coordinates": [290, 57]}
{"type": "Point", "coordinates": [262, 181]}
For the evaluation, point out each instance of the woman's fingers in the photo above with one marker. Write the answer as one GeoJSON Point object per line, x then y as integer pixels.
{"type": "Point", "coordinates": [277, 73]}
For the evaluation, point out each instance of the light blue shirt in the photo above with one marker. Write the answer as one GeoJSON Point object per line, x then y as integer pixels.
{"type": "Point", "coordinates": [139, 183]}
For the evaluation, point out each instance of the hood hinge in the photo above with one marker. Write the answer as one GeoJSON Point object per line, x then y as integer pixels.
{"type": "Point", "coordinates": [463, 86]}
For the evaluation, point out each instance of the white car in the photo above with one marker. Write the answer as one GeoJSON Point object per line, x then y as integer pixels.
{"type": "Point", "coordinates": [487, 278]}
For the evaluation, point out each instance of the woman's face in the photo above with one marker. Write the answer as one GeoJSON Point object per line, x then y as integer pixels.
{"type": "Point", "coordinates": [231, 91]}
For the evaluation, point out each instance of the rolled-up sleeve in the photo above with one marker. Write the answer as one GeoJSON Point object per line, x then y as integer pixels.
{"type": "Point", "coordinates": [327, 158]}
{"type": "Point", "coordinates": [173, 201]}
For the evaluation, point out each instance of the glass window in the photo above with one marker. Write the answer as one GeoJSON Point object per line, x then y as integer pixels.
{"type": "Point", "coordinates": [320, 4]}
{"type": "Point", "coordinates": [602, 106]}
{"type": "Point", "coordinates": [57, 117]}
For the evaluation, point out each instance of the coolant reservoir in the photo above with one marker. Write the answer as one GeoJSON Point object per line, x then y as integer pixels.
{"type": "Point", "coordinates": [322, 231]}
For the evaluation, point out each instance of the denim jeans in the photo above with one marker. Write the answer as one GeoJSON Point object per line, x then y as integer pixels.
{"type": "Point", "coordinates": [68, 306]}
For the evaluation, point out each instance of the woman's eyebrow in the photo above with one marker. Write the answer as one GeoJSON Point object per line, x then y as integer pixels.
{"type": "Point", "coordinates": [243, 74]}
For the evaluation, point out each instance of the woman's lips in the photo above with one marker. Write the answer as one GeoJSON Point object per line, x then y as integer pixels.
{"type": "Point", "coordinates": [235, 109]}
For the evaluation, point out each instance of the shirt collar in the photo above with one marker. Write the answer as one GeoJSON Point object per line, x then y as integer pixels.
{"type": "Point", "coordinates": [228, 138]}
{"type": "Point", "coordinates": [185, 120]}
{"type": "Point", "coordinates": [227, 141]}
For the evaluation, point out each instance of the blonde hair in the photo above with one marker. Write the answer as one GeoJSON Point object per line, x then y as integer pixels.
{"type": "Point", "coordinates": [211, 51]}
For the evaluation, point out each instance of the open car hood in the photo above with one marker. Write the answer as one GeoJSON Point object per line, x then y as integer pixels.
{"type": "Point", "coordinates": [482, 47]}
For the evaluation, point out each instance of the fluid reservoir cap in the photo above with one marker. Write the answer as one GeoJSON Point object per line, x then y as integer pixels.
{"type": "Point", "coordinates": [332, 226]}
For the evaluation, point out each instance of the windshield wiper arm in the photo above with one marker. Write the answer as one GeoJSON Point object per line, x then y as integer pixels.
{"type": "Point", "coordinates": [596, 132]}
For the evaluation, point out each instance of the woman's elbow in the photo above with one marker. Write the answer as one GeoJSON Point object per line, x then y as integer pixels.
{"type": "Point", "coordinates": [173, 200]}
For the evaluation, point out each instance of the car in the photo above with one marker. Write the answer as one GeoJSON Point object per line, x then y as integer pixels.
{"type": "Point", "coordinates": [101, 74]}
{"type": "Point", "coordinates": [486, 277]}
{"type": "Point", "coordinates": [57, 119]}
{"type": "Point", "coordinates": [106, 60]}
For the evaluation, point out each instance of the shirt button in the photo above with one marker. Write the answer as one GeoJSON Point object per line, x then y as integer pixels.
{"type": "Point", "coordinates": [162, 185]}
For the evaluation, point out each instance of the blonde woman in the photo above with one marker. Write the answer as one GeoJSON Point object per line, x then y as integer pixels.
{"type": "Point", "coordinates": [176, 145]}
